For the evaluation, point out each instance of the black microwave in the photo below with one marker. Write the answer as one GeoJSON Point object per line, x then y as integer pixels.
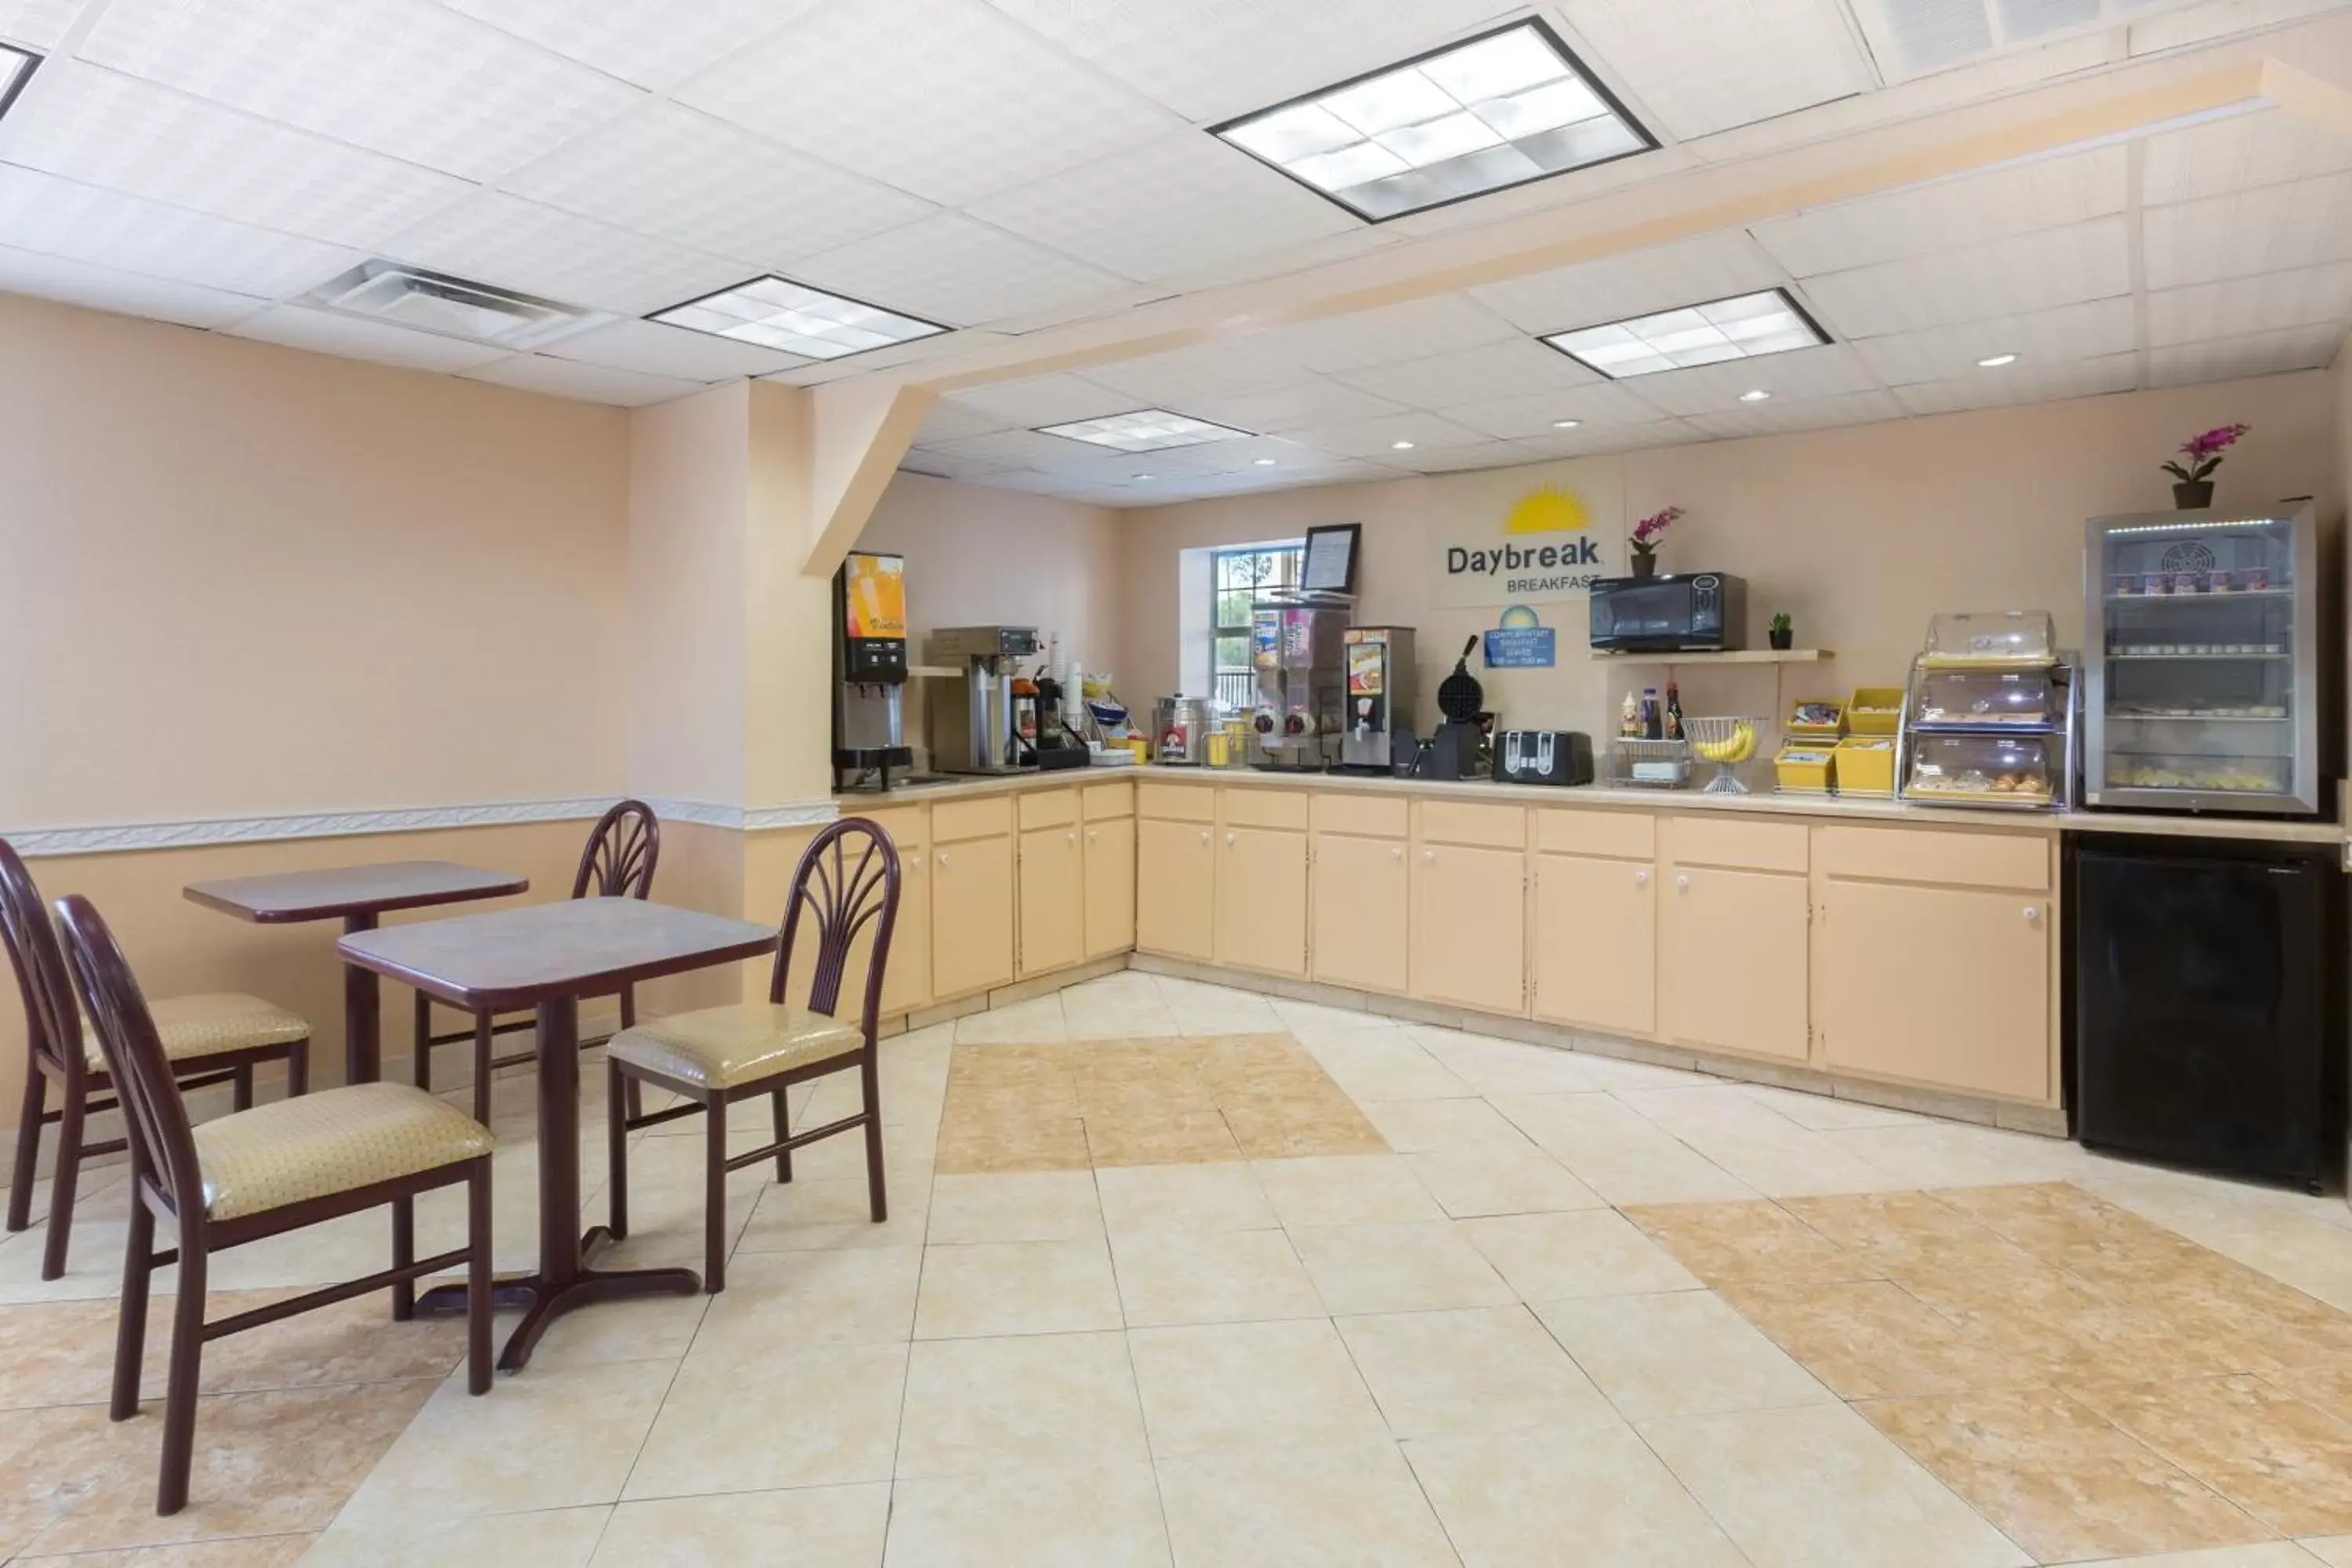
{"type": "Point", "coordinates": [1682, 612]}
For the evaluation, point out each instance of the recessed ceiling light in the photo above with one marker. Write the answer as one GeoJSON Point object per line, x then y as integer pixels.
{"type": "Point", "coordinates": [1566, 424]}
{"type": "Point", "coordinates": [1144, 430]}
{"type": "Point", "coordinates": [1262, 462]}
{"type": "Point", "coordinates": [16, 70]}
{"type": "Point", "coordinates": [1140, 478]}
{"type": "Point", "coordinates": [777, 313]}
{"type": "Point", "coordinates": [1746, 326]}
{"type": "Point", "coordinates": [1497, 110]}
{"type": "Point", "coordinates": [1757, 396]}
{"type": "Point", "coordinates": [1399, 446]}
{"type": "Point", "coordinates": [1996, 361]}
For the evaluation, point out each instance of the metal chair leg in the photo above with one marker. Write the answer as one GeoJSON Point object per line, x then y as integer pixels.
{"type": "Point", "coordinates": [61, 1187]}
{"type": "Point", "coordinates": [714, 1172]}
{"type": "Point", "coordinates": [180, 1387]}
{"type": "Point", "coordinates": [29, 1148]}
{"type": "Point", "coordinates": [477, 1279]}
{"type": "Point", "coordinates": [617, 1154]}
{"type": "Point", "coordinates": [404, 1253]}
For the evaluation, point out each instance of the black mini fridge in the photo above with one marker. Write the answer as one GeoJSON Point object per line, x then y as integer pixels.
{"type": "Point", "coordinates": [2203, 1012]}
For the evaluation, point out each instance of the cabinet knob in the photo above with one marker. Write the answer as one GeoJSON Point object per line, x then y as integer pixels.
{"type": "Point", "coordinates": [1428, 854]}
{"type": "Point", "coordinates": [1229, 841]}
{"type": "Point", "coordinates": [1640, 879]}
{"type": "Point", "coordinates": [1093, 837]}
{"type": "Point", "coordinates": [1396, 853]}
{"type": "Point", "coordinates": [1682, 884]}
{"type": "Point", "coordinates": [2032, 913]}
{"type": "Point", "coordinates": [1071, 837]}
{"type": "Point", "coordinates": [914, 862]}
{"type": "Point", "coordinates": [1204, 835]}
{"type": "Point", "coordinates": [943, 859]}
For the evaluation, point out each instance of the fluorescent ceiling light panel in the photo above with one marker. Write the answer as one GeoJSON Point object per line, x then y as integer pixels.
{"type": "Point", "coordinates": [1747, 326]}
{"type": "Point", "coordinates": [1145, 430]}
{"type": "Point", "coordinates": [777, 313]}
{"type": "Point", "coordinates": [1500, 109]}
{"type": "Point", "coordinates": [16, 70]}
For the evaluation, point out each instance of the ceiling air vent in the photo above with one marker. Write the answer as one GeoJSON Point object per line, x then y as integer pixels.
{"type": "Point", "coordinates": [404, 296]}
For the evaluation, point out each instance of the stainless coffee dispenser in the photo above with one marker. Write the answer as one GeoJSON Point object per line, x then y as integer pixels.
{"type": "Point", "coordinates": [1379, 697]}
{"type": "Point", "coordinates": [976, 723]}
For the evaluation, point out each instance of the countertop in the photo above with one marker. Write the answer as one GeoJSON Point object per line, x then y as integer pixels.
{"type": "Point", "coordinates": [1860, 809]}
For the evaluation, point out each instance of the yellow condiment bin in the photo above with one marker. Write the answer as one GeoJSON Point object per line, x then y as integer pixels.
{"type": "Point", "coordinates": [1815, 718]}
{"type": "Point", "coordinates": [1805, 767]}
{"type": "Point", "coordinates": [1865, 764]}
{"type": "Point", "coordinates": [1875, 711]}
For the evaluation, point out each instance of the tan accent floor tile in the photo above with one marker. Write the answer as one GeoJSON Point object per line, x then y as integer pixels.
{"type": "Point", "coordinates": [1472, 1183]}
{"type": "Point", "coordinates": [2058, 1479]}
{"type": "Point", "coordinates": [51, 1461]}
{"type": "Point", "coordinates": [1817, 1484]}
{"type": "Point", "coordinates": [2285, 1462]}
{"type": "Point", "coordinates": [1588, 1252]}
{"type": "Point", "coordinates": [1043, 1205]}
{"type": "Point", "coordinates": [548, 1538]}
{"type": "Point", "coordinates": [1683, 1352]}
{"type": "Point", "coordinates": [1016, 1287]}
{"type": "Point", "coordinates": [2329, 1387]}
{"type": "Point", "coordinates": [1212, 1277]}
{"type": "Point", "coordinates": [986, 1145]}
{"type": "Point", "coordinates": [1442, 1126]}
{"type": "Point", "coordinates": [2268, 1554]}
{"type": "Point", "coordinates": [822, 1527]}
{"type": "Point", "coordinates": [1760, 1241]}
{"type": "Point", "coordinates": [825, 1417]}
{"type": "Point", "coordinates": [1307, 1126]}
{"type": "Point", "coordinates": [1892, 1229]}
{"type": "Point", "coordinates": [1354, 1189]}
{"type": "Point", "coordinates": [2048, 1324]}
{"type": "Point", "coordinates": [1302, 1507]}
{"type": "Point", "coordinates": [1037, 1402]}
{"type": "Point", "coordinates": [1870, 1339]}
{"type": "Point", "coordinates": [1104, 1517]}
{"type": "Point", "coordinates": [238, 1552]}
{"type": "Point", "coordinates": [1250, 1386]}
{"type": "Point", "coordinates": [1591, 1497]}
{"type": "Point", "coordinates": [1166, 1138]}
{"type": "Point", "coordinates": [1479, 1369]}
{"type": "Point", "coordinates": [2061, 1224]}
{"type": "Point", "coordinates": [1421, 1266]}
{"type": "Point", "coordinates": [1147, 1199]}
{"type": "Point", "coordinates": [783, 1301]}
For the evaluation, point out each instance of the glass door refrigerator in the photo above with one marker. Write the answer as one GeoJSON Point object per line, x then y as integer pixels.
{"type": "Point", "coordinates": [2201, 663]}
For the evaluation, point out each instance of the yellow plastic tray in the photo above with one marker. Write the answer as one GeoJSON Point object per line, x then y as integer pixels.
{"type": "Point", "coordinates": [1805, 767]}
{"type": "Point", "coordinates": [1875, 711]}
{"type": "Point", "coordinates": [1864, 768]}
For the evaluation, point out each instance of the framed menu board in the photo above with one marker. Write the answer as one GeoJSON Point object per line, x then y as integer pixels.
{"type": "Point", "coordinates": [1331, 563]}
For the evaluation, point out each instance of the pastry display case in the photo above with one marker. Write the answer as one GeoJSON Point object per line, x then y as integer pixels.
{"type": "Point", "coordinates": [2202, 671]}
{"type": "Point", "coordinates": [1989, 715]}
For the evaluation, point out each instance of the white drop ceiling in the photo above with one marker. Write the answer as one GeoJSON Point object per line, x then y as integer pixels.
{"type": "Point", "coordinates": [1005, 166]}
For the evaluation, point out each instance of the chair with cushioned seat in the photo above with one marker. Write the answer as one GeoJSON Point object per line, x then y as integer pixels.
{"type": "Point", "coordinates": [715, 1056]}
{"type": "Point", "coordinates": [216, 1037]}
{"type": "Point", "coordinates": [256, 1174]}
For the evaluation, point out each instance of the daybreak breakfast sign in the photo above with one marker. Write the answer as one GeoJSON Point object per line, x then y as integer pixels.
{"type": "Point", "coordinates": [1519, 536]}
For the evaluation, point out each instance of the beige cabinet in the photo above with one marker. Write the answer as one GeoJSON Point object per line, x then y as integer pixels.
{"type": "Point", "coordinates": [1053, 900]}
{"type": "Point", "coordinates": [1469, 926]}
{"type": "Point", "coordinates": [1111, 886]}
{"type": "Point", "coordinates": [1175, 886]}
{"type": "Point", "coordinates": [1732, 952]}
{"type": "Point", "coordinates": [1363, 903]}
{"type": "Point", "coordinates": [1594, 959]}
{"type": "Point", "coordinates": [972, 915]}
{"type": "Point", "coordinates": [1261, 898]}
{"type": "Point", "coordinates": [907, 982]}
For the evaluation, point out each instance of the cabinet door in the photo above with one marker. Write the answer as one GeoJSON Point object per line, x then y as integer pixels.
{"type": "Point", "coordinates": [1175, 881]}
{"type": "Point", "coordinates": [1595, 953]}
{"type": "Point", "coordinates": [1362, 911]}
{"type": "Point", "coordinates": [972, 915]}
{"type": "Point", "coordinates": [1053, 900]}
{"type": "Point", "coordinates": [1469, 930]}
{"type": "Point", "coordinates": [1261, 899]}
{"type": "Point", "coordinates": [906, 982]}
{"type": "Point", "coordinates": [1111, 885]}
{"type": "Point", "coordinates": [1734, 956]}
{"type": "Point", "coordinates": [1949, 986]}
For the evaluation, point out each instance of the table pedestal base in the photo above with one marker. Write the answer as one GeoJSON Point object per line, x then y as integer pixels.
{"type": "Point", "coordinates": [544, 1301]}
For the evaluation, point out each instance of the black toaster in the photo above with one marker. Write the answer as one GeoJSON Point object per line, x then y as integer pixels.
{"type": "Point", "coordinates": [1543, 756]}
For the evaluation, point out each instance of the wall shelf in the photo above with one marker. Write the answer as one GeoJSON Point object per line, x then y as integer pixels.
{"type": "Point", "coordinates": [1741, 655]}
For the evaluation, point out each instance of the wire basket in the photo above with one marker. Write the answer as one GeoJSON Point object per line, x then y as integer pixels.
{"type": "Point", "coordinates": [1726, 742]}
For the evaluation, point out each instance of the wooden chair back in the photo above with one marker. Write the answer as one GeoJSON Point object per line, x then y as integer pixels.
{"type": "Point", "coordinates": [848, 878]}
{"type": "Point", "coordinates": [162, 1149]}
{"type": "Point", "coordinates": [52, 1024]}
{"type": "Point", "coordinates": [618, 862]}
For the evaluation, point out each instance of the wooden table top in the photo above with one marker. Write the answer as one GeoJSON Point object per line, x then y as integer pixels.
{"type": "Point", "coordinates": [580, 947]}
{"type": "Point", "coordinates": [333, 892]}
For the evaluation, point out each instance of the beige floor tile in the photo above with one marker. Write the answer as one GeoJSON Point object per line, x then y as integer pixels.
{"type": "Point", "coordinates": [1756, 1145]}
{"type": "Point", "coordinates": [1589, 1497]}
{"type": "Point", "coordinates": [809, 1527]}
{"type": "Point", "coordinates": [1016, 1287]}
{"type": "Point", "coordinates": [1480, 1370]}
{"type": "Point", "coordinates": [1321, 1508]}
{"type": "Point", "coordinates": [1212, 1277]}
{"type": "Point", "coordinates": [1385, 1064]}
{"type": "Point", "coordinates": [817, 1214]}
{"type": "Point", "coordinates": [1817, 1484]}
{"type": "Point", "coordinates": [1236, 1014]}
{"type": "Point", "coordinates": [1683, 1352]}
{"type": "Point", "coordinates": [2334, 1549]}
{"type": "Point", "coordinates": [1346, 1189]}
{"type": "Point", "coordinates": [1038, 1020]}
{"type": "Point", "coordinates": [1103, 1517]}
{"type": "Point", "coordinates": [1416, 1267]}
{"type": "Point", "coordinates": [783, 1301]}
{"type": "Point", "coordinates": [2268, 1554]}
{"type": "Point", "coordinates": [1950, 1154]}
{"type": "Point", "coordinates": [1826, 1113]}
{"type": "Point", "coordinates": [644, 1328]}
{"type": "Point", "coordinates": [1309, 1018]}
{"type": "Point", "coordinates": [1493, 1067]}
{"type": "Point", "coordinates": [1253, 1386]}
{"type": "Point", "coordinates": [1043, 1205]}
{"type": "Point", "coordinates": [1619, 1153]}
{"type": "Point", "coordinates": [825, 1417]}
{"type": "Point", "coordinates": [540, 1440]}
{"type": "Point", "coordinates": [1589, 1252]}
{"type": "Point", "coordinates": [551, 1538]}
{"type": "Point", "coordinates": [1036, 1402]}
{"type": "Point", "coordinates": [1443, 1126]}
{"type": "Point", "coordinates": [1471, 1184]}
{"type": "Point", "coordinates": [2285, 1462]}
{"type": "Point", "coordinates": [237, 1551]}
{"type": "Point", "coordinates": [1144, 1199]}
{"type": "Point", "coordinates": [1721, 1243]}
{"type": "Point", "coordinates": [1089, 1019]}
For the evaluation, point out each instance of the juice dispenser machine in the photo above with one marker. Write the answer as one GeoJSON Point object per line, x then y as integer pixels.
{"type": "Point", "coordinates": [1294, 648]}
{"type": "Point", "coordinates": [1380, 696]}
{"type": "Point", "coordinates": [869, 669]}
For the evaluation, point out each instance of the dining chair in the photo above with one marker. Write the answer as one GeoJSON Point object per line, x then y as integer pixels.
{"type": "Point", "coordinates": [714, 1057]}
{"type": "Point", "coordinates": [256, 1174]}
{"type": "Point", "coordinates": [618, 863]}
{"type": "Point", "coordinates": [216, 1037]}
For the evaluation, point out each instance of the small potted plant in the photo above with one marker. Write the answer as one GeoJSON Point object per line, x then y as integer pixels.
{"type": "Point", "coordinates": [2193, 485]}
{"type": "Point", "coordinates": [1783, 634]}
{"type": "Point", "coordinates": [1646, 534]}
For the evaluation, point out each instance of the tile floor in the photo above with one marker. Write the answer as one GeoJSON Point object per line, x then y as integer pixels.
{"type": "Point", "coordinates": [1176, 1274]}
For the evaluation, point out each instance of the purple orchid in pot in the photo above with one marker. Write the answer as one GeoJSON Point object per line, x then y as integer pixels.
{"type": "Point", "coordinates": [2201, 455]}
{"type": "Point", "coordinates": [1645, 537]}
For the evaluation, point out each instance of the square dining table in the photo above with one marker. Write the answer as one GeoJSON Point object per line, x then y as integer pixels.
{"type": "Point", "coordinates": [357, 896]}
{"type": "Point", "coordinates": [546, 957]}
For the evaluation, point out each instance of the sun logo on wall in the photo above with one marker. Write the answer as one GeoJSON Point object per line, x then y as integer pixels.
{"type": "Point", "coordinates": [1547, 509]}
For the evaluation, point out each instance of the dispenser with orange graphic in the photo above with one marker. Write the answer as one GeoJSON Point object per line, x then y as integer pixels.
{"type": "Point", "coordinates": [869, 670]}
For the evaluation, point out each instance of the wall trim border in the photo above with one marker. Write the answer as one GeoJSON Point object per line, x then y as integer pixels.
{"type": "Point", "coordinates": [745, 819]}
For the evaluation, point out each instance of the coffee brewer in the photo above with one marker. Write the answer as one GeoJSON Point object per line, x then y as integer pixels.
{"type": "Point", "coordinates": [978, 724]}
{"type": "Point", "coordinates": [1379, 697]}
{"type": "Point", "coordinates": [869, 668]}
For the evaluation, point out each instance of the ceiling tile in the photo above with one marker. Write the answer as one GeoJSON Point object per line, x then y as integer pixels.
{"type": "Point", "coordinates": [2269, 230]}
{"type": "Point", "coordinates": [1016, 449]}
{"type": "Point", "coordinates": [1597, 438]}
{"type": "Point", "coordinates": [1808, 414]}
{"type": "Point", "coordinates": [2047, 193]}
{"type": "Point", "coordinates": [653, 46]}
{"type": "Point", "coordinates": [57, 217]}
{"type": "Point", "coordinates": [39, 24]}
{"type": "Point", "coordinates": [322, 332]}
{"type": "Point", "coordinates": [2226, 359]}
{"type": "Point", "coordinates": [106, 129]}
{"type": "Point", "coordinates": [2239, 306]}
{"type": "Point", "coordinates": [1689, 273]}
{"type": "Point", "coordinates": [1516, 367]}
{"type": "Point", "coordinates": [1240, 362]}
{"type": "Point", "coordinates": [1460, 459]}
{"type": "Point", "coordinates": [953, 268]}
{"type": "Point", "coordinates": [2081, 331]}
{"type": "Point", "coordinates": [943, 98]}
{"type": "Point", "coordinates": [1184, 204]}
{"type": "Point", "coordinates": [583, 383]}
{"type": "Point", "coordinates": [1291, 405]}
{"type": "Point", "coordinates": [949, 419]}
{"type": "Point", "coordinates": [1799, 375]}
{"type": "Point", "coordinates": [98, 288]}
{"type": "Point", "coordinates": [653, 349]}
{"type": "Point", "coordinates": [2027, 381]}
{"type": "Point", "coordinates": [2238, 153]}
{"type": "Point", "coordinates": [1053, 399]}
{"type": "Point", "coordinates": [1390, 334]}
{"type": "Point", "coordinates": [1377, 439]}
{"type": "Point", "coordinates": [1602, 404]}
{"type": "Point", "coordinates": [492, 237]}
{"type": "Point", "coordinates": [2015, 276]}
{"type": "Point", "coordinates": [403, 76]}
{"type": "Point", "coordinates": [1703, 66]}
{"type": "Point", "coordinates": [683, 176]}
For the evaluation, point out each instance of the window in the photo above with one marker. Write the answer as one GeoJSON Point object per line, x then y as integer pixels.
{"type": "Point", "coordinates": [1237, 578]}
